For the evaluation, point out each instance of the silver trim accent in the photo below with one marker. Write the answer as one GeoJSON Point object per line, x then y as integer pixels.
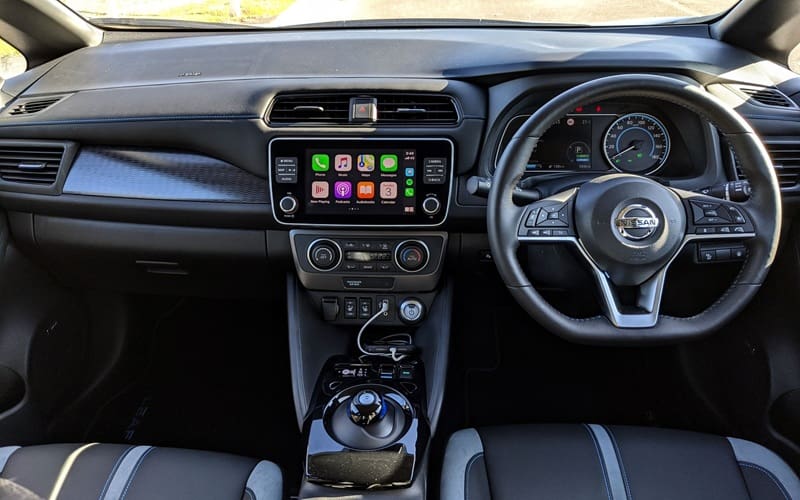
{"type": "Point", "coordinates": [463, 446]}
{"type": "Point", "coordinates": [666, 153]}
{"type": "Point", "coordinates": [320, 240]}
{"type": "Point", "coordinates": [650, 291]}
{"type": "Point", "coordinates": [427, 255]}
{"type": "Point", "coordinates": [265, 481]}
{"type": "Point", "coordinates": [5, 454]}
{"type": "Point", "coordinates": [356, 226]}
{"type": "Point", "coordinates": [755, 454]}
{"type": "Point", "coordinates": [611, 464]}
{"type": "Point", "coordinates": [129, 463]}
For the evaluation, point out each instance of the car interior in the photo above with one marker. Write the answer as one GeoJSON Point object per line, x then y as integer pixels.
{"type": "Point", "coordinates": [402, 255]}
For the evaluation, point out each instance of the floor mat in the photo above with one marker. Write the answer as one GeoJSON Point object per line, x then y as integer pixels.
{"type": "Point", "coordinates": [514, 371]}
{"type": "Point", "coordinates": [218, 379]}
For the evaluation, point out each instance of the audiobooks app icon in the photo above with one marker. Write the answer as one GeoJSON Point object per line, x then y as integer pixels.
{"type": "Point", "coordinates": [365, 190]}
{"type": "Point", "coordinates": [320, 190]}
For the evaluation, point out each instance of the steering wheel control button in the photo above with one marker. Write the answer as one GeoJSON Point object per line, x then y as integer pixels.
{"type": "Point", "coordinates": [411, 311]}
{"type": "Point", "coordinates": [411, 256]}
{"type": "Point", "coordinates": [288, 205]}
{"type": "Point", "coordinates": [530, 221]}
{"type": "Point", "coordinates": [721, 252]}
{"type": "Point", "coordinates": [324, 255]}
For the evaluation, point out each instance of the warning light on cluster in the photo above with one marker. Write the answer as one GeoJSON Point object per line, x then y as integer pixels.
{"type": "Point", "coordinates": [579, 109]}
{"type": "Point", "coordinates": [598, 109]}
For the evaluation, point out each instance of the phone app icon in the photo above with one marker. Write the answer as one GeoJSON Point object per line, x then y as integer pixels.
{"type": "Point", "coordinates": [320, 190]}
{"type": "Point", "coordinates": [365, 190]}
{"type": "Point", "coordinates": [388, 190]}
{"type": "Point", "coordinates": [388, 163]}
{"type": "Point", "coordinates": [366, 163]}
{"type": "Point", "coordinates": [343, 163]}
{"type": "Point", "coordinates": [409, 171]}
{"type": "Point", "coordinates": [320, 163]}
{"type": "Point", "coordinates": [343, 190]}
{"type": "Point", "coordinates": [409, 192]}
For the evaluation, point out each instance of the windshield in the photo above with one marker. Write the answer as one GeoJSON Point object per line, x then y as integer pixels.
{"type": "Point", "coordinates": [281, 13]}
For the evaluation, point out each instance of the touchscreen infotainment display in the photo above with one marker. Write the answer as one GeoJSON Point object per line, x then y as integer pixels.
{"type": "Point", "coordinates": [326, 181]}
{"type": "Point", "coordinates": [361, 180]}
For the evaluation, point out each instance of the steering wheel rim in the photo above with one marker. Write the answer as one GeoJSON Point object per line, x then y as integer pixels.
{"type": "Point", "coordinates": [506, 224]}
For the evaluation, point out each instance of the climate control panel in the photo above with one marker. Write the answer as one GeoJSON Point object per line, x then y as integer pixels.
{"type": "Point", "coordinates": [391, 261]}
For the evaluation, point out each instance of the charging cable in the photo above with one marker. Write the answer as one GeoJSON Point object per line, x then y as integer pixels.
{"type": "Point", "coordinates": [392, 350]}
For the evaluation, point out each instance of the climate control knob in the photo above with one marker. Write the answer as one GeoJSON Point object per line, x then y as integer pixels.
{"type": "Point", "coordinates": [431, 205]}
{"type": "Point", "coordinates": [324, 255]}
{"type": "Point", "coordinates": [411, 256]}
{"type": "Point", "coordinates": [288, 204]}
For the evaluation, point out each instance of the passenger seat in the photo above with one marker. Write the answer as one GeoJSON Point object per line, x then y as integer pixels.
{"type": "Point", "coordinates": [122, 472]}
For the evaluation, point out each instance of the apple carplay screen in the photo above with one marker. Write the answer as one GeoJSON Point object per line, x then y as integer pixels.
{"type": "Point", "coordinates": [361, 181]}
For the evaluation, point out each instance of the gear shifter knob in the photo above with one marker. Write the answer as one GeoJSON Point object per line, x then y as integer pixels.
{"type": "Point", "coordinates": [367, 407]}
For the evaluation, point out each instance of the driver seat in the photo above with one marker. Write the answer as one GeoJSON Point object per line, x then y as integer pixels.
{"type": "Point", "coordinates": [595, 462]}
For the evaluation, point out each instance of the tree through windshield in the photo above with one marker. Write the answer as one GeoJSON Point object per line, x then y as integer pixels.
{"type": "Point", "coordinates": [277, 13]}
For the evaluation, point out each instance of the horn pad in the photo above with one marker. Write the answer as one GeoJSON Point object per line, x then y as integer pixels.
{"type": "Point", "coordinates": [630, 226]}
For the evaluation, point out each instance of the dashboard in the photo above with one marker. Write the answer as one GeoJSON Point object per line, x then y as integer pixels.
{"type": "Point", "coordinates": [198, 155]}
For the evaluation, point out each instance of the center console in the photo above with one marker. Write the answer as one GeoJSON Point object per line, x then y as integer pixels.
{"type": "Point", "coordinates": [369, 308]}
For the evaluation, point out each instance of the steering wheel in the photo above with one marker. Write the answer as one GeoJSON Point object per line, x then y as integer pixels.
{"type": "Point", "coordinates": [630, 228]}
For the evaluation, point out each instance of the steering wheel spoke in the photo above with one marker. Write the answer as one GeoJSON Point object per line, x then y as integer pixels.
{"type": "Point", "coordinates": [643, 311]}
{"type": "Point", "coordinates": [549, 219]}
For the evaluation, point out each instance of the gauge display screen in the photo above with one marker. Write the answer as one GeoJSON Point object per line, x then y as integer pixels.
{"type": "Point", "coordinates": [636, 143]}
{"type": "Point", "coordinates": [565, 146]}
{"type": "Point", "coordinates": [597, 138]}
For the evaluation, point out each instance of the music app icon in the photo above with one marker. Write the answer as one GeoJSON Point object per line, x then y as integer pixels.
{"type": "Point", "coordinates": [319, 190]}
{"type": "Point", "coordinates": [343, 163]}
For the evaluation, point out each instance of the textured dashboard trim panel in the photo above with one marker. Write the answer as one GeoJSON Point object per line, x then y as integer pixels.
{"type": "Point", "coordinates": [161, 175]}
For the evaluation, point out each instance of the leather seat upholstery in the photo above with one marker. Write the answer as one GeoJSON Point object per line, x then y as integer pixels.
{"type": "Point", "coordinates": [593, 462]}
{"type": "Point", "coordinates": [121, 472]}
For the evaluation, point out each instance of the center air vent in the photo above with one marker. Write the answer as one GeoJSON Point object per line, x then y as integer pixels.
{"type": "Point", "coordinates": [30, 164]}
{"type": "Point", "coordinates": [393, 109]}
{"type": "Point", "coordinates": [312, 108]}
{"type": "Point", "coordinates": [786, 159]}
{"type": "Point", "coordinates": [766, 96]}
{"type": "Point", "coordinates": [32, 105]}
{"type": "Point", "coordinates": [416, 108]}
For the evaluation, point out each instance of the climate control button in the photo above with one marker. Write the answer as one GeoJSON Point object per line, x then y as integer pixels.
{"type": "Point", "coordinates": [324, 255]}
{"type": "Point", "coordinates": [411, 256]}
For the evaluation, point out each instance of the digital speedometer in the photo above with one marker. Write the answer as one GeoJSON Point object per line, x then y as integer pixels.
{"type": "Point", "coordinates": [636, 143]}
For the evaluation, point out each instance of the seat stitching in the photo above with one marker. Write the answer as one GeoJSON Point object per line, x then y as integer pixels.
{"type": "Point", "coordinates": [628, 492]}
{"type": "Point", "coordinates": [114, 471]}
{"type": "Point", "coordinates": [600, 459]}
{"type": "Point", "coordinates": [133, 473]}
{"type": "Point", "coordinates": [471, 462]}
{"type": "Point", "coordinates": [770, 475]}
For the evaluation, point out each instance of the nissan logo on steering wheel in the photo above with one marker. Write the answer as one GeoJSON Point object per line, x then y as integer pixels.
{"type": "Point", "coordinates": [636, 222]}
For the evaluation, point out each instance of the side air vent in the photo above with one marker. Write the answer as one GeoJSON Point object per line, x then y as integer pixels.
{"type": "Point", "coordinates": [33, 164]}
{"type": "Point", "coordinates": [416, 108]}
{"type": "Point", "coordinates": [767, 96]}
{"type": "Point", "coordinates": [786, 159]}
{"type": "Point", "coordinates": [392, 109]}
{"type": "Point", "coordinates": [311, 108]}
{"type": "Point", "coordinates": [32, 105]}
